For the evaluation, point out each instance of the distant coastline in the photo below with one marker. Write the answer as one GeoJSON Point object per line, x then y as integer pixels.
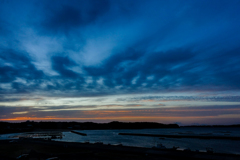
{"type": "Point", "coordinates": [30, 126]}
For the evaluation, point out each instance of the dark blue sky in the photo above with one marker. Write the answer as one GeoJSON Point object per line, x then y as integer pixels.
{"type": "Point", "coordinates": [53, 50]}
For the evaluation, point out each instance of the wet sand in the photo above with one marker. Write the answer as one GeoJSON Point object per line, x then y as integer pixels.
{"type": "Point", "coordinates": [42, 149]}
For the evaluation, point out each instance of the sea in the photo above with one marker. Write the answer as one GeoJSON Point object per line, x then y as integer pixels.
{"type": "Point", "coordinates": [195, 144]}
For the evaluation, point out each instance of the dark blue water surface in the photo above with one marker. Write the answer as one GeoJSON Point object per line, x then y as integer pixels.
{"type": "Point", "coordinates": [112, 137]}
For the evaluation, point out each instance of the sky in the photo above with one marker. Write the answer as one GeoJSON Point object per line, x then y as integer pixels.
{"type": "Point", "coordinates": [115, 60]}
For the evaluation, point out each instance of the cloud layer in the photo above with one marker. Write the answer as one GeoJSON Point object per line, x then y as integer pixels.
{"type": "Point", "coordinates": [109, 46]}
{"type": "Point", "coordinates": [104, 47]}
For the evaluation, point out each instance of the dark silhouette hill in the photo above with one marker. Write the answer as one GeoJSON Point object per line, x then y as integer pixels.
{"type": "Point", "coordinates": [28, 126]}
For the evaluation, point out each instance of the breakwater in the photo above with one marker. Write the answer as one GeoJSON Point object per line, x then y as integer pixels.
{"type": "Point", "coordinates": [79, 133]}
{"type": "Point", "coordinates": [182, 136]}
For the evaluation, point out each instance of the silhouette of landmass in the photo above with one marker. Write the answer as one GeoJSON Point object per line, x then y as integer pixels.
{"type": "Point", "coordinates": [29, 126]}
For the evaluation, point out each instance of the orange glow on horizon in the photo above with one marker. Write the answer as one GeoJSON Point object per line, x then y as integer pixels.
{"type": "Point", "coordinates": [115, 118]}
{"type": "Point", "coordinates": [161, 115]}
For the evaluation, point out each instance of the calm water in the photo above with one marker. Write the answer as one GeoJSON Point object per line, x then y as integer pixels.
{"type": "Point", "coordinates": [112, 137]}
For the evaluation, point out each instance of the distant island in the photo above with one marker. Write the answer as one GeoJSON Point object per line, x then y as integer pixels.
{"type": "Point", "coordinates": [29, 126]}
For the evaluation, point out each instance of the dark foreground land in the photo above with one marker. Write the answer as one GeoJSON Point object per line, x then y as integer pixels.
{"type": "Point", "coordinates": [38, 149]}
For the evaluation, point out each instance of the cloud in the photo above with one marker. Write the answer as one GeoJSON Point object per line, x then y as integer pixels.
{"type": "Point", "coordinates": [182, 98]}
{"type": "Point", "coordinates": [125, 66]}
{"type": "Point", "coordinates": [6, 99]}
{"type": "Point", "coordinates": [7, 111]}
{"type": "Point", "coordinates": [130, 71]}
{"type": "Point", "coordinates": [60, 65]}
{"type": "Point", "coordinates": [187, 46]}
{"type": "Point", "coordinates": [64, 17]}
{"type": "Point", "coordinates": [100, 49]}
{"type": "Point", "coordinates": [3, 28]}
{"type": "Point", "coordinates": [17, 69]}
